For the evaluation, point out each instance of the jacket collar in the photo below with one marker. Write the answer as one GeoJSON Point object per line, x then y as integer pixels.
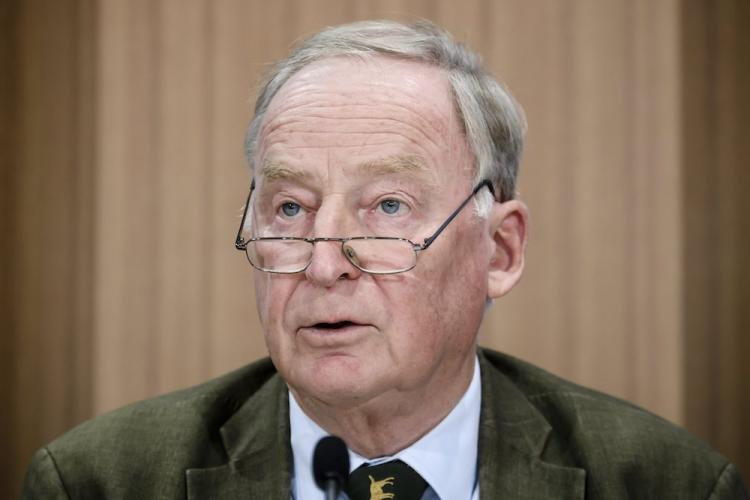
{"type": "Point", "coordinates": [512, 437]}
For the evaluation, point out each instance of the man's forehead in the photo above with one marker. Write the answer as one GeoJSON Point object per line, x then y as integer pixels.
{"type": "Point", "coordinates": [380, 115]}
{"type": "Point", "coordinates": [407, 166]}
{"type": "Point", "coordinates": [349, 75]}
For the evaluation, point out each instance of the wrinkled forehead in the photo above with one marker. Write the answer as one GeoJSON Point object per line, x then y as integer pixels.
{"type": "Point", "coordinates": [359, 76]}
{"type": "Point", "coordinates": [361, 100]}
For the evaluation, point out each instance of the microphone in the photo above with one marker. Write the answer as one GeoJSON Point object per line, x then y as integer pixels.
{"type": "Point", "coordinates": [331, 465]}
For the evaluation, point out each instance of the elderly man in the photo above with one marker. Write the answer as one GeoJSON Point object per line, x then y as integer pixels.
{"type": "Point", "coordinates": [381, 222]}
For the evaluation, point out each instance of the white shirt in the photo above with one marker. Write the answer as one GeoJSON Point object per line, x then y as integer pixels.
{"type": "Point", "coordinates": [446, 457]}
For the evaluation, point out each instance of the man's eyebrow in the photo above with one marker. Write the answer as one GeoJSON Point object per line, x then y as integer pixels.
{"type": "Point", "coordinates": [274, 170]}
{"type": "Point", "coordinates": [400, 165]}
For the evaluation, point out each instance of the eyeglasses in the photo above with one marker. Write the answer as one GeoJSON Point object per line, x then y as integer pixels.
{"type": "Point", "coordinates": [371, 254]}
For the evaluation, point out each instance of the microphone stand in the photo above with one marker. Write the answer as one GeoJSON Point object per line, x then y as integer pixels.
{"type": "Point", "coordinates": [332, 489]}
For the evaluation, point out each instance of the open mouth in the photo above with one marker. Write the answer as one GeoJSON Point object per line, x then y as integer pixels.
{"type": "Point", "coordinates": [334, 326]}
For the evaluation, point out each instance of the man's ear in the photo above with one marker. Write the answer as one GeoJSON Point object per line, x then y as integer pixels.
{"type": "Point", "coordinates": [507, 225]}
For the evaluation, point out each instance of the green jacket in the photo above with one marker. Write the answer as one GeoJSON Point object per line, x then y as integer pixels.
{"type": "Point", "coordinates": [540, 437]}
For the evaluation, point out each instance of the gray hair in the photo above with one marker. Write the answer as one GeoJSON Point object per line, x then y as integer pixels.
{"type": "Point", "coordinates": [493, 122]}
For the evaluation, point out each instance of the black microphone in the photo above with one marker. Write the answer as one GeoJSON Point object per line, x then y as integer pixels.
{"type": "Point", "coordinates": [331, 466]}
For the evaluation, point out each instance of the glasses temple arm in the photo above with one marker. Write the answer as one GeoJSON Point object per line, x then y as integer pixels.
{"type": "Point", "coordinates": [239, 242]}
{"type": "Point", "coordinates": [428, 241]}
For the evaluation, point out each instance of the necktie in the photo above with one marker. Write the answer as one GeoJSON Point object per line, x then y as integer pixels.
{"type": "Point", "coordinates": [389, 481]}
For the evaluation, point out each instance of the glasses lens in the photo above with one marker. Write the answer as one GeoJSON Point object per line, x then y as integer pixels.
{"type": "Point", "coordinates": [279, 256]}
{"type": "Point", "coordinates": [381, 255]}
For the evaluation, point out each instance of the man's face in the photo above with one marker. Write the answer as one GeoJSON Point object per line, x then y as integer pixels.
{"type": "Point", "coordinates": [369, 148]}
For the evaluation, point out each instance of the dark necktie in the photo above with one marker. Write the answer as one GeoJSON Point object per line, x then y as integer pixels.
{"type": "Point", "coordinates": [389, 481]}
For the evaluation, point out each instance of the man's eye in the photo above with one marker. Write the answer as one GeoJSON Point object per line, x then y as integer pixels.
{"type": "Point", "coordinates": [290, 209]}
{"type": "Point", "coordinates": [390, 206]}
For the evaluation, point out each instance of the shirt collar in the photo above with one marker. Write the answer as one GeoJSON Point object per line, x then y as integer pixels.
{"type": "Point", "coordinates": [446, 457]}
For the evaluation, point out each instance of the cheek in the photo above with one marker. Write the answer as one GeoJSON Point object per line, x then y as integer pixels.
{"type": "Point", "coordinates": [260, 280]}
{"type": "Point", "coordinates": [271, 296]}
{"type": "Point", "coordinates": [458, 292]}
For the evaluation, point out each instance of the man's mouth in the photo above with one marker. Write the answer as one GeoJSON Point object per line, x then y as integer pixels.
{"type": "Point", "coordinates": [334, 326]}
{"type": "Point", "coordinates": [334, 334]}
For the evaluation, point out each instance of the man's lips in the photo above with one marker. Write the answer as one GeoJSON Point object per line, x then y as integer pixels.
{"type": "Point", "coordinates": [331, 322]}
{"type": "Point", "coordinates": [333, 325]}
{"type": "Point", "coordinates": [334, 333]}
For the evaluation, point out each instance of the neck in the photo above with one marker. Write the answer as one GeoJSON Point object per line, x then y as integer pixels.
{"type": "Point", "coordinates": [392, 421]}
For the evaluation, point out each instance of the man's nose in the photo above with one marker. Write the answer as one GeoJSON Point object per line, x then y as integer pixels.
{"type": "Point", "coordinates": [329, 263]}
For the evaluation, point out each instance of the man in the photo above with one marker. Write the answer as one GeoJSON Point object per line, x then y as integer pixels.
{"type": "Point", "coordinates": [381, 222]}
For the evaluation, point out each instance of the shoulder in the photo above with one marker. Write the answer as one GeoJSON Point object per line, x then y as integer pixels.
{"type": "Point", "coordinates": [178, 416]}
{"type": "Point", "coordinates": [622, 447]}
{"type": "Point", "coordinates": [152, 441]}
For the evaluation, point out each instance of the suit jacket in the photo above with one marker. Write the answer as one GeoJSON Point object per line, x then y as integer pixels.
{"type": "Point", "coordinates": [540, 437]}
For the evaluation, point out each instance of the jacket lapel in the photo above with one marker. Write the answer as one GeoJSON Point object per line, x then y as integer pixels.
{"type": "Point", "coordinates": [256, 439]}
{"type": "Point", "coordinates": [512, 437]}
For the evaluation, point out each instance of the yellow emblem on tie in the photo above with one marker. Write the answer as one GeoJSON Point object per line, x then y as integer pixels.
{"type": "Point", "coordinates": [376, 488]}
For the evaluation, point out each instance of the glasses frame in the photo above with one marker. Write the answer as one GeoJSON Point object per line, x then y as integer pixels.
{"type": "Point", "coordinates": [241, 244]}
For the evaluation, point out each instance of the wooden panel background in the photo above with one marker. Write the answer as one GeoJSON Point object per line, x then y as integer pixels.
{"type": "Point", "coordinates": [123, 179]}
{"type": "Point", "coordinates": [716, 179]}
{"type": "Point", "coordinates": [47, 242]}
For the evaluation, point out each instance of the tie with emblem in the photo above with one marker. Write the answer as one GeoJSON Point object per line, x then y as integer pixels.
{"type": "Point", "coordinates": [389, 481]}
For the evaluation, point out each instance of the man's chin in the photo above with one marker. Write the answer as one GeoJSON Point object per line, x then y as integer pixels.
{"type": "Point", "coordinates": [335, 383]}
